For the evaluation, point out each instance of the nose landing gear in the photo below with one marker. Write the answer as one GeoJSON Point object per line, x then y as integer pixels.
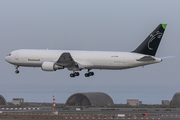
{"type": "Point", "coordinates": [17, 71]}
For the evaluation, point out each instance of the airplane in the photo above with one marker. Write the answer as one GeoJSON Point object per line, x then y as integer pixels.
{"type": "Point", "coordinates": [52, 60]}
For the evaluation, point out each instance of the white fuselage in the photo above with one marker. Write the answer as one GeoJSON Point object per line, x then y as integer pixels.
{"type": "Point", "coordinates": [85, 59]}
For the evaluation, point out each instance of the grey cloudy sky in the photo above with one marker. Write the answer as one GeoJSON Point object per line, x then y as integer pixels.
{"type": "Point", "coordinates": [99, 25]}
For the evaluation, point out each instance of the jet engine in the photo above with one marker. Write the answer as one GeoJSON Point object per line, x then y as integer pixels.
{"type": "Point", "coordinates": [50, 66]}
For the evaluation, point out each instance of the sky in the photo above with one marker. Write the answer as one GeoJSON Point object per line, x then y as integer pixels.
{"type": "Point", "coordinates": [97, 25]}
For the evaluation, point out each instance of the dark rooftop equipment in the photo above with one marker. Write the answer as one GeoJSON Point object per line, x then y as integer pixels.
{"type": "Point", "coordinates": [89, 99]}
{"type": "Point", "coordinates": [2, 100]}
{"type": "Point", "coordinates": [175, 102]}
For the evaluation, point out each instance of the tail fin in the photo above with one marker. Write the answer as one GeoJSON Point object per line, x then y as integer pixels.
{"type": "Point", "coordinates": [150, 45]}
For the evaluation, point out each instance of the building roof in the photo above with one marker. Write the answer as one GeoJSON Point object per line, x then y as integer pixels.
{"type": "Point", "coordinates": [2, 100]}
{"type": "Point", "coordinates": [89, 99]}
{"type": "Point", "coordinates": [18, 98]}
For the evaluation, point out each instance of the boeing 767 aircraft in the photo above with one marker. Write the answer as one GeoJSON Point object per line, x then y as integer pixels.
{"type": "Point", "coordinates": [52, 60]}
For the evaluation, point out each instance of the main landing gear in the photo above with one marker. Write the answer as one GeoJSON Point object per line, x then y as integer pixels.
{"type": "Point", "coordinates": [17, 71]}
{"type": "Point", "coordinates": [74, 74]}
{"type": "Point", "coordinates": [89, 74]}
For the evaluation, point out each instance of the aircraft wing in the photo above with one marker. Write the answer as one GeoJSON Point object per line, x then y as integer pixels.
{"type": "Point", "coordinates": [66, 60]}
{"type": "Point", "coordinates": [146, 58]}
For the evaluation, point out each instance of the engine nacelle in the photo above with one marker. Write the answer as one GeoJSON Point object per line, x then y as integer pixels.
{"type": "Point", "coordinates": [50, 66]}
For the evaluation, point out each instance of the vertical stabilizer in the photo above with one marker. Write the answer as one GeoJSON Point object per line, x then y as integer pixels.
{"type": "Point", "coordinates": [150, 45]}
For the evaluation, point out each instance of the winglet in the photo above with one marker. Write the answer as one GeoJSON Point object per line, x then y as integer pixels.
{"type": "Point", "coordinates": [164, 26]}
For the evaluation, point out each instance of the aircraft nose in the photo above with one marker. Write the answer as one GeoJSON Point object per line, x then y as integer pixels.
{"type": "Point", "coordinates": [7, 58]}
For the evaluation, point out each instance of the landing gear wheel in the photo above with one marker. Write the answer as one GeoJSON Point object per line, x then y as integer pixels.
{"type": "Point", "coordinates": [72, 75]}
{"type": "Point", "coordinates": [86, 75]}
{"type": "Point", "coordinates": [17, 71]}
{"type": "Point", "coordinates": [76, 73]}
{"type": "Point", "coordinates": [91, 73]}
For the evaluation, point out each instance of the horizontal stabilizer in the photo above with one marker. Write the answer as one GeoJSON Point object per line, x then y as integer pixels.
{"type": "Point", "coordinates": [146, 58]}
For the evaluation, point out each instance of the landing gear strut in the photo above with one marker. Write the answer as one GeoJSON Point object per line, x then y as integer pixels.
{"type": "Point", "coordinates": [74, 74]}
{"type": "Point", "coordinates": [89, 73]}
{"type": "Point", "coordinates": [17, 71]}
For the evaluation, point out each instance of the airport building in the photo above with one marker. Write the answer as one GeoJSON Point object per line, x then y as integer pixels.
{"type": "Point", "coordinates": [165, 102]}
{"type": "Point", "coordinates": [133, 102]}
{"type": "Point", "coordinates": [175, 102]}
{"type": "Point", "coordinates": [2, 100]}
{"type": "Point", "coordinates": [90, 99]}
{"type": "Point", "coordinates": [18, 101]}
